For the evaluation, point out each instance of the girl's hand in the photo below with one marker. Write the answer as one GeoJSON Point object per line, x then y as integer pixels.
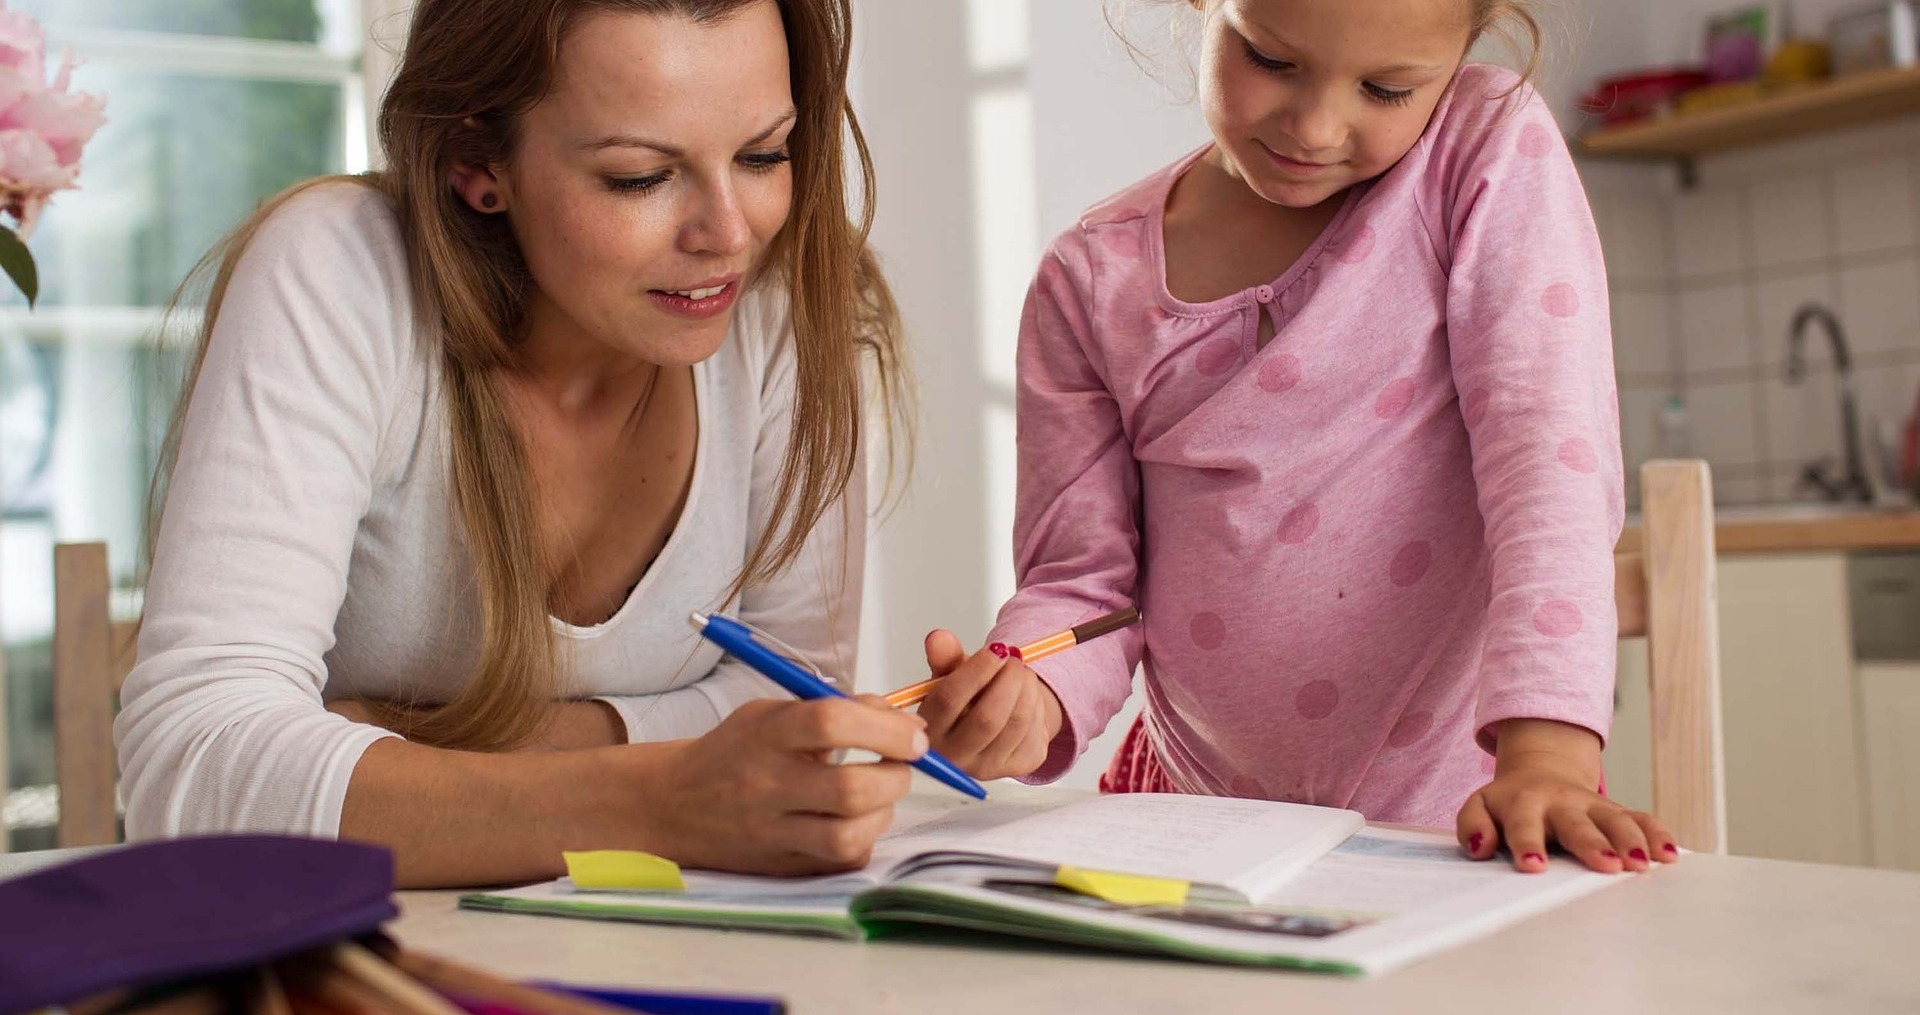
{"type": "Point", "coordinates": [993, 717]}
{"type": "Point", "coordinates": [1543, 788]}
{"type": "Point", "coordinates": [760, 794]}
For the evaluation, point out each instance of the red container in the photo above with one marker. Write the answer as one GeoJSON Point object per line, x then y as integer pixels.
{"type": "Point", "coordinates": [1624, 98]}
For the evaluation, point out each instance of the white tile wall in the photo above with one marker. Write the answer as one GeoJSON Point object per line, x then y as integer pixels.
{"type": "Point", "coordinates": [1709, 233]}
{"type": "Point", "coordinates": [1880, 306]}
{"type": "Point", "coordinates": [1634, 234]}
{"type": "Point", "coordinates": [1723, 419]}
{"type": "Point", "coordinates": [1716, 329]}
{"type": "Point", "coordinates": [1873, 205]}
{"type": "Point", "coordinates": [1643, 335]}
{"type": "Point", "coordinates": [1791, 220]}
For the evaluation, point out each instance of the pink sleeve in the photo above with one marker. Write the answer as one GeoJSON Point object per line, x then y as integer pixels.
{"type": "Point", "coordinates": [1532, 357]}
{"type": "Point", "coordinates": [1076, 536]}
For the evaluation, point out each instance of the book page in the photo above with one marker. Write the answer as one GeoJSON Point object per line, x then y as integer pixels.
{"type": "Point", "coordinates": [1244, 847]}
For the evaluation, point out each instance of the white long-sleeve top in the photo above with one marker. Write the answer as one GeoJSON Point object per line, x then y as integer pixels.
{"type": "Point", "coordinates": [310, 548]}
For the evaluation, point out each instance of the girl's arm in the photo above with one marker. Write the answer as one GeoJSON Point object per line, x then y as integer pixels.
{"type": "Point", "coordinates": [1076, 535]}
{"type": "Point", "coordinates": [1532, 360]}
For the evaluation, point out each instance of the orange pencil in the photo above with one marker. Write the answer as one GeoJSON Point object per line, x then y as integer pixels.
{"type": "Point", "coordinates": [1032, 651]}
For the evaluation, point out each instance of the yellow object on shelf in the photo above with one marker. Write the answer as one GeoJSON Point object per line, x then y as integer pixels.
{"type": "Point", "coordinates": [1720, 96]}
{"type": "Point", "coordinates": [1798, 62]}
{"type": "Point", "coordinates": [1122, 889]}
{"type": "Point", "coordinates": [618, 869]}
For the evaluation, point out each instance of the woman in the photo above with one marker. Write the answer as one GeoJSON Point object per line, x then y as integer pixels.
{"type": "Point", "coordinates": [470, 438]}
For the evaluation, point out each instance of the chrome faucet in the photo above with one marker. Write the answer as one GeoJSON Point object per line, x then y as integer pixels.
{"type": "Point", "coordinates": [1854, 485]}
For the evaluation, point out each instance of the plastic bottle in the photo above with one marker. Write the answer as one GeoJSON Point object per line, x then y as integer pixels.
{"type": "Point", "coordinates": [1673, 436]}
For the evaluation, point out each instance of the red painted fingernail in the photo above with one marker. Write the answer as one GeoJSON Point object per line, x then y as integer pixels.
{"type": "Point", "coordinates": [1473, 842]}
{"type": "Point", "coordinates": [1534, 858]}
{"type": "Point", "coordinates": [999, 649]}
{"type": "Point", "coordinates": [1014, 651]}
{"type": "Point", "coordinates": [1610, 854]}
{"type": "Point", "coordinates": [1671, 849]}
{"type": "Point", "coordinates": [1638, 854]}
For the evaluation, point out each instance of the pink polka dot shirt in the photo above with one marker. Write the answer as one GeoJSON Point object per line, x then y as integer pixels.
{"type": "Point", "coordinates": [1360, 546]}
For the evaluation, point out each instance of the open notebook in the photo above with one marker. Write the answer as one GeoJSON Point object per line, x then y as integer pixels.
{"type": "Point", "coordinates": [1270, 883]}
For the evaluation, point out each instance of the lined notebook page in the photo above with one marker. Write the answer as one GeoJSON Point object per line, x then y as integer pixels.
{"type": "Point", "coordinates": [1247, 848]}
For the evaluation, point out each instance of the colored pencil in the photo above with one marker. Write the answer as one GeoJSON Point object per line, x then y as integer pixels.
{"type": "Point", "coordinates": [1033, 651]}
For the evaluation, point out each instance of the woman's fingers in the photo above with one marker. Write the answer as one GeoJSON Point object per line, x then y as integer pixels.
{"type": "Point", "coordinates": [832, 724]}
{"type": "Point", "coordinates": [834, 843]}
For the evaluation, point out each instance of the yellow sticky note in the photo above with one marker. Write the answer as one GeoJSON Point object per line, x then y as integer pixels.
{"type": "Point", "coordinates": [1123, 889]}
{"type": "Point", "coordinates": [622, 869]}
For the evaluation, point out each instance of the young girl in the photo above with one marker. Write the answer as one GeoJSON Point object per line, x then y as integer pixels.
{"type": "Point", "coordinates": [1331, 400]}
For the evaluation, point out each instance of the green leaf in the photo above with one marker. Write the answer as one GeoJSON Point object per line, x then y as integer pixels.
{"type": "Point", "coordinates": [17, 261]}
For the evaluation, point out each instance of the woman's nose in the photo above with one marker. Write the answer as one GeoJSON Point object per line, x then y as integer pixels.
{"type": "Point", "coordinates": [717, 226]}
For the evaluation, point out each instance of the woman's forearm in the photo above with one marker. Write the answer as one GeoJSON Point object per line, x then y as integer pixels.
{"type": "Point", "coordinates": [574, 725]}
{"type": "Point", "coordinates": [468, 818]}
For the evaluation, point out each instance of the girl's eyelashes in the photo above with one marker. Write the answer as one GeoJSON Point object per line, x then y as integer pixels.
{"type": "Point", "coordinates": [1390, 96]}
{"type": "Point", "coordinates": [1261, 60]}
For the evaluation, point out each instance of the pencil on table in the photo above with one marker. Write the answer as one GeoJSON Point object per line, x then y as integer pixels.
{"type": "Point", "coordinates": [1033, 651]}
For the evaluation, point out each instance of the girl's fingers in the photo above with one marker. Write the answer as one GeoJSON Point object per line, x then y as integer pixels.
{"type": "Point", "coordinates": [1523, 824]}
{"type": "Point", "coordinates": [1479, 836]}
{"type": "Point", "coordinates": [986, 716]}
{"type": "Point", "coordinates": [1660, 844]}
{"type": "Point", "coordinates": [1629, 840]}
{"type": "Point", "coordinates": [944, 652]}
{"type": "Point", "coordinates": [1004, 755]}
{"type": "Point", "coordinates": [954, 694]}
{"type": "Point", "coordinates": [1576, 832]}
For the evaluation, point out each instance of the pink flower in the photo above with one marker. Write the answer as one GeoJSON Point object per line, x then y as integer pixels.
{"type": "Point", "coordinates": [43, 125]}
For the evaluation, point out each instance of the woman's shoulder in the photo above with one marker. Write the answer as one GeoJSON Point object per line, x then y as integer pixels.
{"type": "Point", "coordinates": [338, 222]}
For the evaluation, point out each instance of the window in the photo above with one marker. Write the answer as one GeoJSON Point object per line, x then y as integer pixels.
{"type": "Point", "coordinates": [212, 106]}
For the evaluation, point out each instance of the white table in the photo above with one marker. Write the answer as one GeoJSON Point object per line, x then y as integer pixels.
{"type": "Point", "coordinates": [1711, 934]}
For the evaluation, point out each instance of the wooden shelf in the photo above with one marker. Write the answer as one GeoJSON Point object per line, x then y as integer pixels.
{"type": "Point", "coordinates": [1864, 97]}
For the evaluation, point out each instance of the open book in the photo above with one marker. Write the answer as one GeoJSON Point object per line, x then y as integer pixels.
{"type": "Point", "coordinates": [1270, 883]}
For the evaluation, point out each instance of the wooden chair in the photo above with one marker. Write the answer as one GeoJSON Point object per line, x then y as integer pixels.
{"type": "Point", "coordinates": [92, 655]}
{"type": "Point", "coordinates": [1666, 591]}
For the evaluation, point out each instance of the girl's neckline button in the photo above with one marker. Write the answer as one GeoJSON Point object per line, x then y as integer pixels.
{"type": "Point", "coordinates": [1264, 294]}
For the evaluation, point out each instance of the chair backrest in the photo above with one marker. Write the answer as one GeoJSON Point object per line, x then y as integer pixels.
{"type": "Point", "coordinates": [1667, 591]}
{"type": "Point", "coordinates": [92, 655]}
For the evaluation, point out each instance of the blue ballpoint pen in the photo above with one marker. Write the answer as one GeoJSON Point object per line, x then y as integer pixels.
{"type": "Point", "coordinates": [739, 641]}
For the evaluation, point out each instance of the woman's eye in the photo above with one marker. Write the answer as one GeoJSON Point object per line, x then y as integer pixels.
{"type": "Point", "coordinates": [636, 184]}
{"type": "Point", "coordinates": [764, 161]}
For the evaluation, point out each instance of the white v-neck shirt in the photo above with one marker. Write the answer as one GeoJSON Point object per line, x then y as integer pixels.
{"type": "Point", "coordinates": [311, 550]}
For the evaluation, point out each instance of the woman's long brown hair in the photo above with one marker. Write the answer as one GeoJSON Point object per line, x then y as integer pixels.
{"type": "Point", "coordinates": [470, 69]}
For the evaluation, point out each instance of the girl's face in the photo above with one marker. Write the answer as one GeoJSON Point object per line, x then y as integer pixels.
{"type": "Point", "coordinates": [1307, 97]}
{"type": "Point", "coordinates": [646, 187]}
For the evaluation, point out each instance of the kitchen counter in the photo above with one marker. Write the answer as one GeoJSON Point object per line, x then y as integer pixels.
{"type": "Point", "coordinates": [1803, 528]}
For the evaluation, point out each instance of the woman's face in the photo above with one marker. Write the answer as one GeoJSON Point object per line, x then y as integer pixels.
{"type": "Point", "coordinates": [645, 188]}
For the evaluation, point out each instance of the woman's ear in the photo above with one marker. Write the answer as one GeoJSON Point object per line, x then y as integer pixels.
{"type": "Point", "coordinates": [480, 189]}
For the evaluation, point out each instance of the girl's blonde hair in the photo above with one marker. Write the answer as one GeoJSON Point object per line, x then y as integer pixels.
{"type": "Point", "coordinates": [1514, 22]}
{"type": "Point", "coordinates": [470, 69]}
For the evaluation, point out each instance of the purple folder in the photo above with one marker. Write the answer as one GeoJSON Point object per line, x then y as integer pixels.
{"type": "Point", "coordinates": [164, 911]}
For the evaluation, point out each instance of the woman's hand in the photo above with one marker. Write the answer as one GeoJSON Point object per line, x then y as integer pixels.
{"type": "Point", "coordinates": [990, 715]}
{"type": "Point", "coordinates": [759, 794]}
{"type": "Point", "coordinates": [1544, 788]}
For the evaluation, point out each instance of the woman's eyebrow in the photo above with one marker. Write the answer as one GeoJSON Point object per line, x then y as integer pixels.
{"type": "Point", "coordinates": [674, 151]}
